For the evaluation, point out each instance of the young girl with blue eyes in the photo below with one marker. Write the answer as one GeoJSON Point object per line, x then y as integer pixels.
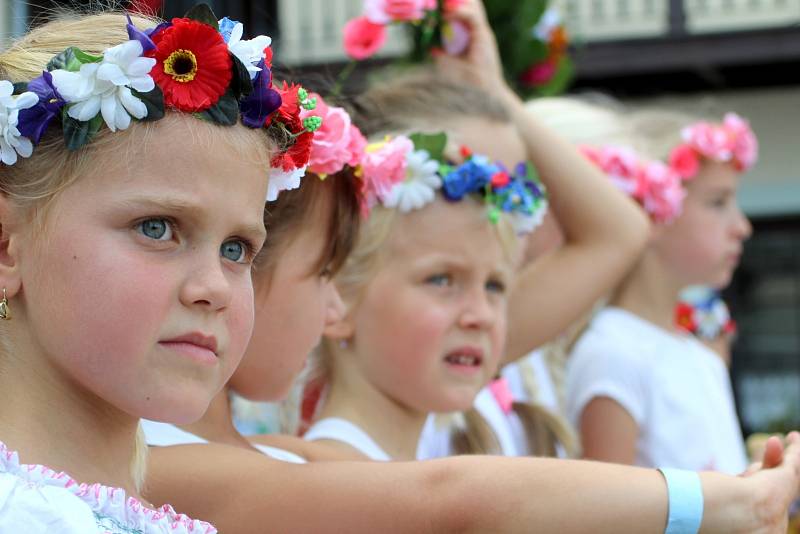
{"type": "Point", "coordinates": [125, 254]}
{"type": "Point", "coordinates": [641, 390]}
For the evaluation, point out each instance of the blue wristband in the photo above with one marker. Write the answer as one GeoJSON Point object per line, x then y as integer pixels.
{"type": "Point", "coordinates": [685, 501]}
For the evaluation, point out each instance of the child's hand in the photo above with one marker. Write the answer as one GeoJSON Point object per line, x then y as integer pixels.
{"type": "Point", "coordinates": [776, 483]}
{"type": "Point", "coordinates": [480, 64]}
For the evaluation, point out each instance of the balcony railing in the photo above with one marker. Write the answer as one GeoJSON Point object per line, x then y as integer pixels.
{"type": "Point", "coordinates": [311, 30]}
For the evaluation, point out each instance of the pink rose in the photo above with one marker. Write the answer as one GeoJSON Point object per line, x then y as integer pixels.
{"type": "Point", "coordinates": [621, 162]}
{"type": "Point", "coordinates": [363, 38]}
{"type": "Point", "coordinates": [332, 146]}
{"type": "Point", "coordinates": [684, 161]}
{"type": "Point", "coordinates": [539, 74]}
{"type": "Point", "coordinates": [709, 140]}
{"type": "Point", "coordinates": [744, 141]}
{"type": "Point", "coordinates": [386, 11]}
{"type": "Point", "coordinates": [664, 194]}
{"type": "Point", "coordinates": [384, 165]}
{"type": "Point", "coordinates": [357, 146]}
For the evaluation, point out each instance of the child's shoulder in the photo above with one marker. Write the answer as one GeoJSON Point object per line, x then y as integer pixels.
{"type": "Point", "coordinates": [36, 499]}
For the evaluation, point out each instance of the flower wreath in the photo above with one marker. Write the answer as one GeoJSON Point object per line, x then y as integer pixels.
{"type": "Point", "coordinates": [194, 64]}
{"type": "Point", "coordinates": [658, 187]}
{"type": "Point", "coordinates": [708, 319]}
{"type": "Point", "coordinates": [653, 184]}
{"type": "Point", "coordinates": [405, 173]}
{"type": "Point", "coordinates": [732, 141]}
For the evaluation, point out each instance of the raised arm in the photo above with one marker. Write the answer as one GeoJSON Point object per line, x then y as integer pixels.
{"type": "Point", "coordinates": [604, 230]}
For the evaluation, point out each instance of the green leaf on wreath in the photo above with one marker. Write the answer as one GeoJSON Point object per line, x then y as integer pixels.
{"type": "Point", "coordinates": [78, 133]}
{"type": "Point", "coordinates": [224, 112]}
{"type": "Point", "coordinates": [434, 144]}
{"type": "Point", "coordinates": [240, 82]}
{"type": "Point", "coordinates": [153, 101]}
{"type": "Point", "coordinates": [203, 13]}
{"type": "Point", "coordinates": [71, 60]}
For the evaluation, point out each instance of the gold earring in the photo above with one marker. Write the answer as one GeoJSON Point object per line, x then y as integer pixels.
{"type": "Point", "coordinates": [5, 311]}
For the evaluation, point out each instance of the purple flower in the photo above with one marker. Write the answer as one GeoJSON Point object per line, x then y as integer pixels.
{"type": "Point", "coordinates": [263, 101]}
{"type": "Point", "coordinates": [135, 34]}
{"type": "Point", "coordinates": [33, 122]}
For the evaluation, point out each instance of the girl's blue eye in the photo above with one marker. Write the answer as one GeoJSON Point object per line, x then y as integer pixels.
{"type": "Point", "coordinates": [441, 280]}
{"type": "Point", "coordinates": [496, 286]}
{"type": "Point", "coordinates": [234, 251]}
{"type": "Point", "coordinates": [158, 229]}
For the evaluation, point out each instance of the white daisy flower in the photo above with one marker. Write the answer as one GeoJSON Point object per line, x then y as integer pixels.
{"type": "Point", "coordinates": [249, 52]}
{"type": "Point", "coordinates": [419, 187]}
{"type": "Point", "coordinates": [280, 180]}
{"type": "Point", "coordinates": [11, 141]}
{"type": "Point", "coordinates": [524, 223]}
{"type": "Point", "coordinates": [105, 87]}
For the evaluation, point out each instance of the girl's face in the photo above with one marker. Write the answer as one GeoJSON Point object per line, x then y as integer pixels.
{"type": "Point", "coordinates": [291, 313]}
{"type": "Point", "coordinates": [430, 326]}
{"type": "Point", "coordinates": [704, 244]}
{"type": "Point", "coordinates": [139, 292]}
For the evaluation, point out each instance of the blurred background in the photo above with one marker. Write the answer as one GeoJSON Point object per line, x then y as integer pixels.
{"type": "Point", "coordinates": [703, 56]}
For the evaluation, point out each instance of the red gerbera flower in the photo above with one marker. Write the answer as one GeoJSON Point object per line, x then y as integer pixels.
{"type": "Point", "coordinates": [193, 67]}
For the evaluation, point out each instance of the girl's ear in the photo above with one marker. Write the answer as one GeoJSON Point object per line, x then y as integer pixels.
{"type": "Point", "coordinates": [9, 247]}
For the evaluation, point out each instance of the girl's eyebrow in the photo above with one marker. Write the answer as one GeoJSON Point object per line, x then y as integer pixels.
{"type": "Point", "coordinates": [172, 204]}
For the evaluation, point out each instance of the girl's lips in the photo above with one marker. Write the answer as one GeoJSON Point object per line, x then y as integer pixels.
{"type": "Point", "coordinates": [465, 359]}
{"type": "Point", "coordinates": [195, 346]}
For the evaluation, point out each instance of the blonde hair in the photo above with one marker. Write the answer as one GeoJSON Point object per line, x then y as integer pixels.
{"type": "Point", "coordinates": [657, 131]}
{"type": "Point", "coordinates": [32, 183]}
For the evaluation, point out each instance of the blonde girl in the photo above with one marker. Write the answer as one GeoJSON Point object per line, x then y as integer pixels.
{"type": "Point", "coordinates": [127, 243]}
{"type": "Point", "coordinates": [641, 390]}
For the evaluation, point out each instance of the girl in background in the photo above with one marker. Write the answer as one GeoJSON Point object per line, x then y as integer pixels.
{"type": "Point", "coordinates": [640, 390]}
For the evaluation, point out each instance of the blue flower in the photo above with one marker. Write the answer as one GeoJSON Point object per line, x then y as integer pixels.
{"type": "Point", "coordinates": [471, 176]}
{"type": "Point", "coordinates": [226, 27]}
{"type": "Point", "coordinates": [516, 197]}
{"type": "Point", "coordinates": [33, 122]}
{"type": "Point", "coordinates": [262, 101]}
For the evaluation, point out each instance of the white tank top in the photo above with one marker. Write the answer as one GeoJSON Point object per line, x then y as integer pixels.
{"type": "Point", "coordinates": [337, 429]}
{"type": "Point", "coordinates": [164, 435]}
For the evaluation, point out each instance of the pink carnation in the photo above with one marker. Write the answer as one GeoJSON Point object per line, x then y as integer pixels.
{"type": "Point", "coordinates": [386, 11]}
{"type": "Point", "coordinates": [709, 140]}
{"type": "Point", "coordinates": [384, 166]}
{"type": "Point", "coordinates": [745, 144]}
{"type": "Point", "coordinates": [539, 74]}
{"type": "Point", "coordinates": [684, 161]}
{"type": "Point", "coordinates": [664, 193]}
{"type": "Point", "coordinates": [357, 145]}
{"type": "Point", "coordinates": [335, 141]}
{"type": "Point", "coordinates": [362, 38]}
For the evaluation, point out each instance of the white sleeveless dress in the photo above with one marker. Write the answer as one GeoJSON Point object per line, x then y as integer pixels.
{"type": "Point", "coordinates": [165, 435]}
{"type": "Point", "coordinates": [337, 429]}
